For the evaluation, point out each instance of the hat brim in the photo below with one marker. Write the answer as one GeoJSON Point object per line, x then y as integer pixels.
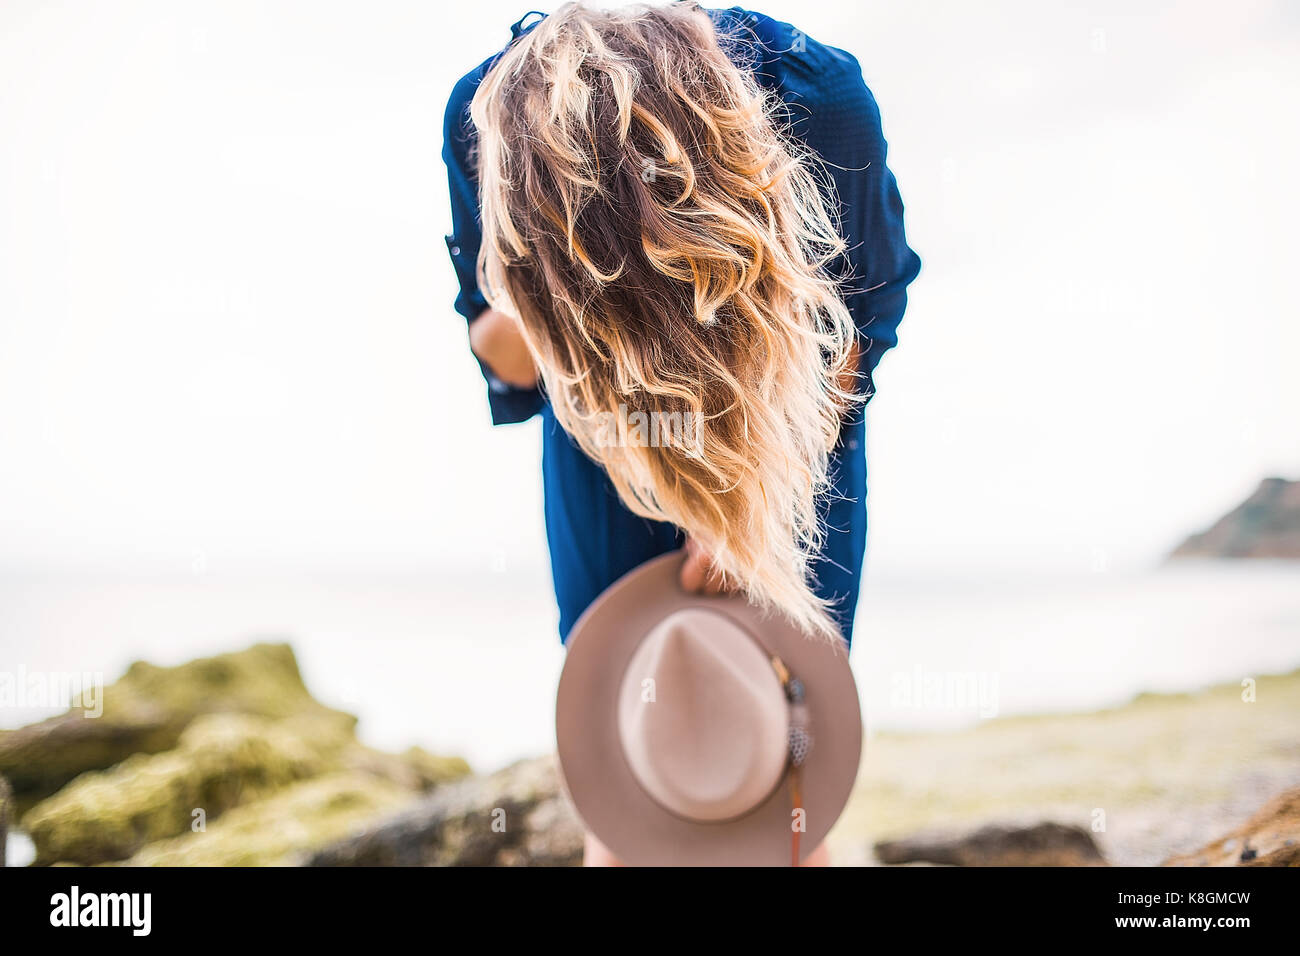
{"type": "Point", "coordinates": [614, 807]}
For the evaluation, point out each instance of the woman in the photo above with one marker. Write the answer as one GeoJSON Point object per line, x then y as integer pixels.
{"type": "Point", "coordinates": [668, 214]}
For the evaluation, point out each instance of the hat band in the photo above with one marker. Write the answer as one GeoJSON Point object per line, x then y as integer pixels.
{"type": "Point", "coordinates": [801, 742]}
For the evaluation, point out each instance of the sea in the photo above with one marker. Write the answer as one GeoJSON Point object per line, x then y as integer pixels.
{"type": "Point", "coordinates": [466, 662]}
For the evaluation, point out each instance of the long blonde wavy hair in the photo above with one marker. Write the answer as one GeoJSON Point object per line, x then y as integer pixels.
{"type": "Point", "coordinates": [667, 247]}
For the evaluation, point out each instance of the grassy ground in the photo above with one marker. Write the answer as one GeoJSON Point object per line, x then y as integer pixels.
{"type": "Point", "coordinates": [1169, 772]}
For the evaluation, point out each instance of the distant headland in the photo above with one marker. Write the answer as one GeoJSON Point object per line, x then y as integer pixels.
{"type": "Point", "coordinates": [1265, 525]}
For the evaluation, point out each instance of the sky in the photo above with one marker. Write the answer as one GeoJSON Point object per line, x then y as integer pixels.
{"type": "Point", "coordinates": [226, 326]}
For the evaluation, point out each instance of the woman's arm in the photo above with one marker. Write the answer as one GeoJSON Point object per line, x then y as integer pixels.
{"type": "Point", "coordinates": [496, 339]}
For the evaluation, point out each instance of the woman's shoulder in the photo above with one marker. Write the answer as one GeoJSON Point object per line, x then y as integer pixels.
{"type": "Point", "coordinates": [782, 57]}
{"type": "Point", "coordinates": [830, 105]}
{"type": "Point", "coordinates": [456, 120]}
{"type": "Point", "coordinates": [777, 43]}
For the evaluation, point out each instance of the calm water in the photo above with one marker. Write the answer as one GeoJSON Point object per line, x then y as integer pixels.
{"type": "Point", "coordinates": [469, 665]}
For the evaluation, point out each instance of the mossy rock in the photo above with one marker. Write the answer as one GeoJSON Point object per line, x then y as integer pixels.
{"type": "Point", "coordinates": [6, 802]}
{"type": "Point", "coordinates": [518, 816]}
{"type": "Point", "coordinates": [220, 761]}
{"type": "Point", "coordinates": [284, 829]}
{"type": "Point", "coordinates": [147, 710]}
{"type": "Point", "coordinates": [432, 770]}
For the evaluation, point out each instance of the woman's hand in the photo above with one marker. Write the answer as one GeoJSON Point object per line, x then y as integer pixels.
{"type": "Point", "coordinates": [497, 340]}
{"type": "Point", "coordinates": [699, 576]}
{"type": "Point", "coordinates": [848, 381]}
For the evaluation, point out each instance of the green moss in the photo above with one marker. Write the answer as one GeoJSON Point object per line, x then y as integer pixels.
{"type": "Point", "coordinates": [262, 680]}
{"type": "Point", "coordinates": [432, 770]}
{"type": "Point", "coordinates": [147, 710]}
{"type": "Point", "coordinates": [281, 829]}
{"type": "Point", "coordinates": [221, 761]}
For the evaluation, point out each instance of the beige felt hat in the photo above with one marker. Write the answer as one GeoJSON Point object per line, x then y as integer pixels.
{"type": "Point", "coordinates": [696, 730]}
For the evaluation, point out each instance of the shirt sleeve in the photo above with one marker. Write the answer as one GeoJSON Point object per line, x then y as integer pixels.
{"type": "Point", "coordinates": [830, 109]}
{"type": "Point", "coordinates": [881, 263]}
{"type": "Point", "coordinates": [507, 403]}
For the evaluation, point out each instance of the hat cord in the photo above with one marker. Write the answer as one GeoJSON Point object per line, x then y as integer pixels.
{"type": "Point", "coordinates": [800, 743]}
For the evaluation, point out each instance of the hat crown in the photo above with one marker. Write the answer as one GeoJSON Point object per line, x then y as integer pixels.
{"type": "Point", "coordinates": [702, 717]}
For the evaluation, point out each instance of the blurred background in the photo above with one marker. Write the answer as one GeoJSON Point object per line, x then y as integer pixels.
{"type": "Point", "coordinates": [236, 403]}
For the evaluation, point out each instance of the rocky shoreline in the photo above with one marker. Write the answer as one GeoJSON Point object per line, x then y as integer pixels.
{"type": "Point", "coordinates": [1158, 778]}
{"type": "Point", "coordinates": [229, 761]}
{"type": "Point", "coordinates": [226, 760]}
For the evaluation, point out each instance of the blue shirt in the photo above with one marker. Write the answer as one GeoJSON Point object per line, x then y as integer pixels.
{"type": "Point", "coordinates": [833, 112]}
